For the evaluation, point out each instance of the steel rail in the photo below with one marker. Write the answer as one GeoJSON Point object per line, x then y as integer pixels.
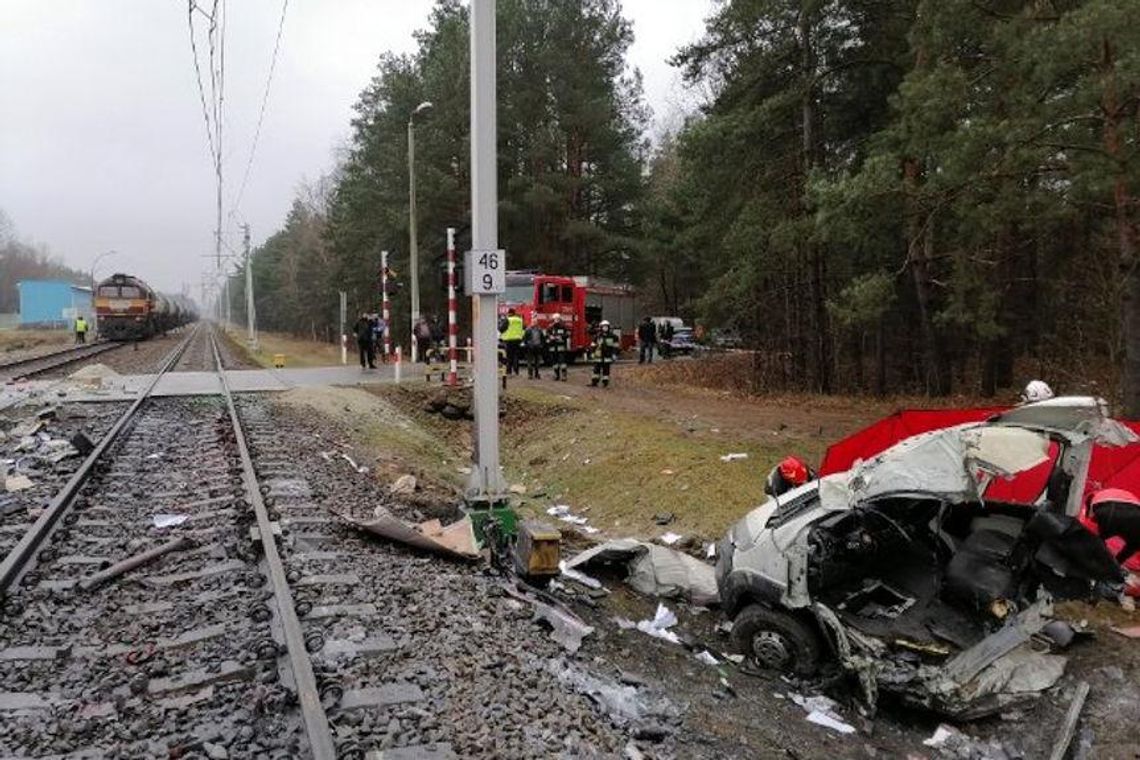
{"type": "Point", "coordinates": [17, 561]}
{"type": "Point", "coordinates": [316, 721]}
{"type": "Point", "coordinates": [54, 360]}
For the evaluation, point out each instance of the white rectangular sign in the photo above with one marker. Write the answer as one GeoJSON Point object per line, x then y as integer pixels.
{"type": "Point", "coordinates": [485, 272]}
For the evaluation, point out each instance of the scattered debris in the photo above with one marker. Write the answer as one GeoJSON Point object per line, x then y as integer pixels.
{"type": "Point", "coordinates": [563, 513]}
{"type": "Point", "coordinates": [169, 521]}
{"type": "Point", "coordinates": [663, 518]}
{"type": "Point", "coordinates": [518, 489]}
{"type": "Point", "coordinates": [659, 626]}
{"type": "Point", "coordinates": [455, 540]}
{"type": "Point", "coordinates": [671, 538]}
{"type": "Point", "coordinates": [362, 469]}
{"type": "Point", "coordinates": [130, 563]}
{"type": "Point", "coordinates": [17, 483]}
{"type": "Point", "coordinates": [821, 711]}
{"type": "Point", "coordinates": [1128, 633]}
{"type": "Point", "coordinates": [625, 704]}
{"type": "Point", "coordinates": [655, 570]}
{"type": "Point", "coordinates": [1069, 727]}
{"type": "Point", "coordinates": [565, 627]}
{"type": "Point", "coordinates": [667, 472]}
{"type": "Point", "coordinates": [404, 485]}
{"type": "Point", "coordinates": [733, 457]}
{"type": "Point", "coordinates": [578, 576]}
{"type": "Point", "coordinates": [708, 658]}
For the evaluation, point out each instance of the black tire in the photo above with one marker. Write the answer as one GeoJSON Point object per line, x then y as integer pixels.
{"type": "Point", "coordinates": [774, 640]}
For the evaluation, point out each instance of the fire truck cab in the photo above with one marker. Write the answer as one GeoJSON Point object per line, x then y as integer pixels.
{"type": "Point", "coordinates": [582, 301]}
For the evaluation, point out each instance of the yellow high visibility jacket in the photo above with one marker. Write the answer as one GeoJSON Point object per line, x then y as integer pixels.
{"type": "Point", "coordinates": [81, 325]}
{"type": "Point", "coordinates": [514, 329]}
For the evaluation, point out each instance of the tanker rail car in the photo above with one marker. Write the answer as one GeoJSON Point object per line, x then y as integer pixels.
{"type": "Point", "coordinates": [126, 308]}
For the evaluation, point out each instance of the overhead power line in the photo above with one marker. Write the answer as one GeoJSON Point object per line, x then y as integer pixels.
{"type": "Point", "coordinates": [264, 102]}
{"type": "Point", "coordinates": [191, 7]}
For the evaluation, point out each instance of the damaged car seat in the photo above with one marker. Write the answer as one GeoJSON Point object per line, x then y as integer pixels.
{"type": "Point", "coordinates": [987, 564]}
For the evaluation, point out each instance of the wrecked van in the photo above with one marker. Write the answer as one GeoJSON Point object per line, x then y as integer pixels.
{"type": "Point", "coordinates": [904, 575]}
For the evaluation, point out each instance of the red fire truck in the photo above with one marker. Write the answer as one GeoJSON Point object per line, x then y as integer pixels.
{"type": "Point", "coordinates": [582, 301]}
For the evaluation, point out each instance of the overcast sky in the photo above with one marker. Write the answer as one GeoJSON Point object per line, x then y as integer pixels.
{"type": "Point", "coordinates": [102, 140]}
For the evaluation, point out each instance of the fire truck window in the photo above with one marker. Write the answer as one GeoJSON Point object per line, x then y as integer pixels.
{"type": "Point", "coordinates": [548, 293]}
{"type": "Point", "coordinates": [109, 291]}
{"type": "Point", "coordinates": [567, 294]}
{"type": "Point", "coordinates": [130, 291]}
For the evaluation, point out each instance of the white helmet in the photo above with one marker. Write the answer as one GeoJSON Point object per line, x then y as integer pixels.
{"type": "Point", "coordinates": [604, 323]}
{"type": "Point", "coordinates": [1036, 390]}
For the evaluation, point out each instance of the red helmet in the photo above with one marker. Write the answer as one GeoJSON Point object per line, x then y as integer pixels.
{"type": "Point", "coordinates": [794, 470]}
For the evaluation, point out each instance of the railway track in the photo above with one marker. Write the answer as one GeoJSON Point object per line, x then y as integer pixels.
{"type": "Point", "coordinates": [187, 594]}
{"type": "Point", "coordinates": [206, 632]}
{"type": "Point", "coordinates": [26, 368]}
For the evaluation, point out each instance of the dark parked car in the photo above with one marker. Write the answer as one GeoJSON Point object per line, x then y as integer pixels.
{"type": "Point", "coordinates": [681, 344]}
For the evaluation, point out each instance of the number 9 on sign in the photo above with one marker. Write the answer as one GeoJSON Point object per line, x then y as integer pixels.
{"type": "Point", "coordinates": [485, 272]}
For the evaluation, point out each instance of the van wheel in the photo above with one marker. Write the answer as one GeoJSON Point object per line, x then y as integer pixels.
{"type": "Point", "coordinates": [774, 640]}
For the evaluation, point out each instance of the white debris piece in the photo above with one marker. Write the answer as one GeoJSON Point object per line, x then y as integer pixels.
{"type": "Point", "coordinates": [827, 720]}
{"type": "Point", "coordinates": [659, 626]}
{"type": "Point", "coordinates": [625, 623]}
{"type": "Point", "coordinates": [710, 550]}
{"type": "Point", "coordinates": [734, 456]}
{"type": "Point", "coordinates": [169, 521]}
{"type": "Point", "coordinates": [671, 538]}
{"type": "Point", "coordinates": [941, 734]}
{"type": "Point", "coordinates": [821, 711]}
{"type": "Point", "coordinates": [359, 468]}
{"type": "Point", "coordinates": [558, 510]}
{"type": "Point", "coordinates": [708, 658]}
{"type": "Point", "coordinates": [580, 577]}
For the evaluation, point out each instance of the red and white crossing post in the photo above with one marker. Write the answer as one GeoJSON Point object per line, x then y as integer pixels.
{"type": "Point", "coordinates": [452, 312]}
{"type": "Point", "coordinates": [384, 306]}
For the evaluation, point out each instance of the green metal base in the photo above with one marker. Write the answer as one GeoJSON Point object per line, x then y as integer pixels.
{"type": "Point", "coordinates": [490, 521]}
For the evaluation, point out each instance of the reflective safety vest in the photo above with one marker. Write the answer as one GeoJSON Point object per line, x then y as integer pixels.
{"type": "Point", "coordinates": [81, 325]}
{"type": "Point", "coordinates": [514, 329]}
{"type": "Point", "coordinates": [605, 347]}
{"type": "Point", "coordinates": [559, 337]}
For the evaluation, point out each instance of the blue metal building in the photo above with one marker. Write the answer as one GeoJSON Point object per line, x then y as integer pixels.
{"type": "Point", "coordinates": [53, 303]}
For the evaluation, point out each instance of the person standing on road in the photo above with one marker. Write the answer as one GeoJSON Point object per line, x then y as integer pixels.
{"type": "Point", "coordinates": [605, 348]}
{"type": "Point", "coordinates": [647, 340]}
{"type": "Point", "coordinates": [364, 342]}
{"type": "Point", "coordinates": [534, 340]}
{"type": "Point", "coordinates": [80, 329]}
{"type": "Point", "coordinates": [512, 337]}
{"type": "Point", "coordinates": [379, 326]}
{"type": "Point", "coordinates": [558, 339]}
{"type": "Point", "coordinates": [423, 340]}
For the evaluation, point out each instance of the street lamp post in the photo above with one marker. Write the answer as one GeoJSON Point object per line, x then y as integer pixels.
{"type": "Point", "coordinates": [414, 263]}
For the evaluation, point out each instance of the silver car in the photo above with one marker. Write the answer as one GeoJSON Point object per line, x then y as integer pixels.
{"type": "Point", "coordinates": [901, 573]}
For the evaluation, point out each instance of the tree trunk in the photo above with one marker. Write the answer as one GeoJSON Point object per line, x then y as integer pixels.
{"type": "Point", "coordinates": [822, 343]}
{"type": "Point", "coordinates": [1125, 236]}
{"type": "Point", "coordinates": [920, 240]}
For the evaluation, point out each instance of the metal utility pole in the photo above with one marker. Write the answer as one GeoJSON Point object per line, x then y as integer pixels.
{"type": "Point", "coordinates": [343, 334]}
{"type": "Point", "coordinates": [250, 314]}
{"type": "Point", "coordinates": [413, 252]}
{"type": "Point", "coordinates": [485, 268]}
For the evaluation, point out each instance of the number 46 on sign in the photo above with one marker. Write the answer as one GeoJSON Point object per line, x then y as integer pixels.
{"type": "Point", "coordinates": [485, 272]}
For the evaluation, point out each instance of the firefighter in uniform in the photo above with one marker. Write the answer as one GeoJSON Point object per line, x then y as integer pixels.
{"type": "Point", "coordinates": [605, 348]}
{"type": "Point", "coordinates": [558, 338]}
